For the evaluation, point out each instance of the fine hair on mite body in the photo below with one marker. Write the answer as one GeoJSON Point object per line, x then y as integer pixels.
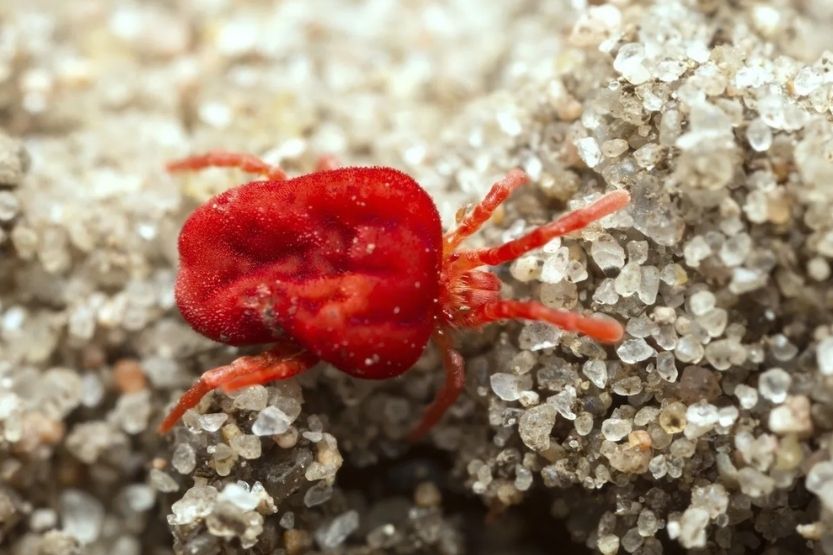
{"type": "Point", "coordinates": [350, 266]}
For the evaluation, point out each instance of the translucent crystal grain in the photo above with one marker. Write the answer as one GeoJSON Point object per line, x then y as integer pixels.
{"type": "Point", "coordinates": [327, 461]}
{"type": "Point", "coordinates": [631, 385]}
{"type": "Point", "coordinates": [608, 544]}
{"type": "Point", "coordinates": [632, 351]}
{"type": "Point", "coordinates": [824, 356]}
{"type": "Point", "coordinates": [629, 62]}
{"type": "Point", "coordinates": [820, 481]}
{"type": "Point", "coordinates": [251, 398]}
{"type": "Point", "coordinates": [529, 398]}
{"type": "Point", "coordinates": [576, 271]}
{"type": "Point", "coordinates": [759, 135]}
{"type": "Point", "coordinates": [240, 495]}
{"type": "Point", "coordinates": [211, 422]}
{"type": "Point", "coordinates": [162, 481]}
{"type": "Point", "coordinates": [509, 386]}
{"type": "Point", "coordinates": [335, 532]}
{"type": "Point", "coordinates": [223, 459]}
{"type": "Point", "coordinates": [669, 70]}
{"type": "Point", "coordinates": [713, 498]}
{"type": "Point", "coordinates": [673, 275]}
{"type": "Point", "coordinates": [246, 446]}
{"type": "Point", "coordinates": [133, 411]}
{"type": "Point", "coordinates": [197, 503]}
{"type": "Point", "coordinates": [588, 151]}
{"type": "Point", "coordinates": [774, 384]}
{"type": "Point", "coordinates": [755, 483]}
{"type": "Point", "coordinates": [523, 362]}
{"type": "Point", "coordinates": [666, 366]}
{"type": "Point", "coordinates": [666, 337]}
{"type": "Point", "coordinates": [755, 207]}
{"type": "Point", "coordinates": [287, 520]}
{"type": "Point", "coordinates": [658, 466]}
{"type": "Point", "coordinates": [689, 349]}
{"type": "Point", "coordinates": [556, 266]}
{"type": "Point", "coordinates": [535, 426]}
{"type": "Point", "coordinates": [735, 249]}
{"type": "Point", "coordinates": [701, 302]}
{"type": "Point", "coordinates": [584, 423]}
{"type": "Point", "coordinates": [700, 418]}
{"type": "Point", "coordinates": [792, 417]}
{"type": "Point", "coordinates": [637, 251]}
{"type": "Point", "coordinates": [670, 127]}
{"type": "Point", "coordinates": [818, 268]}
{"type": "Point", "coordinates": [782, 349]}
{"type": "Point", "coordinates": [271, 421]}
{"type": "Point", "coordinates": [563, 402]}
{"type": "Point", "coordinates": [596, 372]}
{"type": "Point", "coordinates": [82, 515]}
{"type": "Point", "coordinates": [59, 390]}
{"type": "Point", "coordinates": [606, 292]}
{"type": "Point", "coordinates": [184, 459]}
{"type": "Point", "coordinates": [562, 295]}
{"type": "Point", "coordinates": [628, 281]}
{"type": "Point", "coordinates": [726, 416]}
{"type": "Point", "coordinates": [646, 415]}
{"type": "Point", "coordinates": [614, 148]}
{"type": "Point", "coordinates": [614, 429]}
{"type": "Point", "coordinates": [317, 494]}
{"type": "Point", "coordinates": [692, 528]}
{"type": "Point", "coordinates": [807, 80]}
{"type": "Point", "coordinates": [781, 113]}
{"type": "Point", "coordinates": [672, 417]}
{"type": "Point", "coordinates": [696, 250]}
{"type": "Point", "coordinates": [81, 323]}
{"type": "Point", "coordinates": [725, 353]}
{"type": "Point", "coordinates": [648, 155]}
{"type": "Point", "coordinates": [525, 268]}
{"type": "Point", "coordinates": [648, 284]}
{"type": "Point", "coordinates": [595, 25]}
{"type": "Point", "coordinates": [632, 540]}
{"type": "Point", "coordinates": [229, 521]}
{"type": "Point", "coordinates": [536, 336]}
{"type": "Point", "coordinates": [640, 326]}
{"type": "Point", "coordinates": [714, 321]}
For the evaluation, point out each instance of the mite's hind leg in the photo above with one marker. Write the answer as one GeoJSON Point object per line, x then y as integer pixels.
{"type": "Point", "coordinates": [455, 379]}
{"type": "Point", "coordinates": [281, 362]}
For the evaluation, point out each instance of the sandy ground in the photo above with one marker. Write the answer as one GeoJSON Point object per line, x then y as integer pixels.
{"type": "Point", "coordinates": [707, 428]}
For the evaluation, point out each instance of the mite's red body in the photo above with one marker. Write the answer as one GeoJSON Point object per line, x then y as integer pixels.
{"type": "Point", "coordinates": [346, 262]}
{"type": "Point", "coordinates": [349, 266]}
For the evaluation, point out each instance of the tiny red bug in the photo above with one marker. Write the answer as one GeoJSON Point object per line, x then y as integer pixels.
{"type": "Point", "coordinates": [349, 266]}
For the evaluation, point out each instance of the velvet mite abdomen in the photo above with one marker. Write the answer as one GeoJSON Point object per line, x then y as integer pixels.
{"type": "Point", "coordinates": [350, 266]}
{"type": "Point", "coordinates": [345, 261]}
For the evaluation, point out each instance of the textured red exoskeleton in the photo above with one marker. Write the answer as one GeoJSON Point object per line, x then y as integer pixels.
{"type": "Point", "coordinates": [349, 266]}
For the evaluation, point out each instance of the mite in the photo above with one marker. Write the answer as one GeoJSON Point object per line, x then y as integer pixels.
{"type": "Point", "coordinates": [350, 266]}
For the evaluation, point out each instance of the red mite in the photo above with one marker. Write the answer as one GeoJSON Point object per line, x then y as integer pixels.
{"type": "Point", "coordinates": [349, 266]}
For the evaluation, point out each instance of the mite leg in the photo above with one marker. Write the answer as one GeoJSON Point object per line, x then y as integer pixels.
{"type": "Point", "coordinates": [455, 378]}
{"type": "Point", "coordinates": [499, 192]}
{"type": "Point", "coordinates": [327, 162]}
{"type": "Point", "coordinates": [600, 328]}
{"type": "Point", "coordinates": [572, 221]}
{"type": "Point", "coordinates": [221, 159]}
{"type": "Point", "coordinates": [275, 364]}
